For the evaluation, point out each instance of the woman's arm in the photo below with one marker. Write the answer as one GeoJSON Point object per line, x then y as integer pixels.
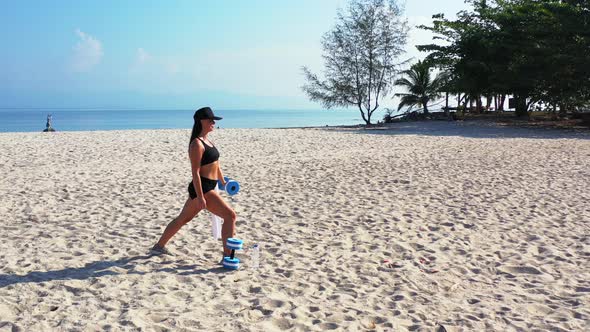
{"type": "Point", "coordinates": [195, 153]}
{"type": "Point", "coordinates": [220, 174]}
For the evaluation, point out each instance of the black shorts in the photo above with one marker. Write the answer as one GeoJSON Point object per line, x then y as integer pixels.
{"type": "Point", "coordinates": [206, 184]}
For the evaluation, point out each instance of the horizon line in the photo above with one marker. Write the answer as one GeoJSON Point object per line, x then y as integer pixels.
{"type": "Point", "coordinates": [169, 109]}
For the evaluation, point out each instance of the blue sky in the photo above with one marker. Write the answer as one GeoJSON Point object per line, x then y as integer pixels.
{"type": "Point", "coordinates": [171, 54]}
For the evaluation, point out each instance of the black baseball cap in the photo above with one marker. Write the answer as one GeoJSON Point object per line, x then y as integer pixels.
{"type": "Point", "coordinates": [205, 113]}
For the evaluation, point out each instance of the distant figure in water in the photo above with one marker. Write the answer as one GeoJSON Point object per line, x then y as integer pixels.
{"type": "Point", "coordinates": [48, 126]}
{"type": "Point", "coordinates": [206, 171]}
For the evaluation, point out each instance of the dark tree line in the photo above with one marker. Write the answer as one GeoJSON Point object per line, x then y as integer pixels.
{"type": "Point", "coordinates": [535, 50]}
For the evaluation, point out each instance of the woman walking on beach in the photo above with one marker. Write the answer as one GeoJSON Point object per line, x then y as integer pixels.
{"type": "Point", "coordinates": [205, 170]}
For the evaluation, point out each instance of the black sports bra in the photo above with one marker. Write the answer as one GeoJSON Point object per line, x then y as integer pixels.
{"type": "Point", "coordinates": [210, 155]}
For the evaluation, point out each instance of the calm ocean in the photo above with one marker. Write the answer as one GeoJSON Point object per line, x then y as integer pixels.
{"type": "Point", "coordinates": [33, 120]}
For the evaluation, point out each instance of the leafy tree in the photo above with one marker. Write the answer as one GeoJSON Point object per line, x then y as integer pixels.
{"type": "Point", "coordinates": [546, 51]}
{"type": "Point", "coordinates": [537, 51]}
{"type": "Point", "coordinates": [361, 57]}
{"type": "Point", "coordinates": [421, 87]}
{"type": "Point", "coordinates": [467, 53]}
{"type": "Point", "coordinates": [567, 78]}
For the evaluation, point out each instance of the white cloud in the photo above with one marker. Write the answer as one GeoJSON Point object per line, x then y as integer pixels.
{"type": "Point", "coordinates": [143, 56]}
{"type": "Point", "coordinates": [172, 68]}
{"type": "Point", "coordinates": [155, 73]}
{"type": "Point", "coordinates": [265, 71]}
{"type": "Point", "coordinates": [147, 63]}
{"type": "Point", "coordinates": [88, 52]}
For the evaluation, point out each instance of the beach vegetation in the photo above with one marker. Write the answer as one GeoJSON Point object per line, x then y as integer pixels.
{"type": "Point", "coordinates": [535, 51]}
{"type": "Point", "coordinates": [422, 87]}
{"type": "Point", "coordinates": [361, 57]}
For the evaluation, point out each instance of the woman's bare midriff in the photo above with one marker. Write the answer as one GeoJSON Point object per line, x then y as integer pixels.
{"type": "Point", "coordinates": [209, 171]}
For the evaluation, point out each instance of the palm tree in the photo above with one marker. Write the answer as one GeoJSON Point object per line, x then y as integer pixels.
{"type": "Point", "coordinates": [421, 88]}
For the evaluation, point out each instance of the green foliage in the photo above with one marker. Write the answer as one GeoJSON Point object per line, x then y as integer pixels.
{"type": "Point", "coordinates": [421, 87]}
{"type": "Point", "coordinates": [538, 51]}
{"type": "Point", "coordinates": [361, 56]}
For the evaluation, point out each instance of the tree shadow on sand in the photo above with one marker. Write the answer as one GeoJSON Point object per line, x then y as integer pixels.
{"type": "Point", "coordinates": [467, 129]}
{"type": "Point", "coordinates": [103, 268]}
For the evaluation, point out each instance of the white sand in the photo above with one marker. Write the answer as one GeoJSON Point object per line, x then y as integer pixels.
{"type": "Point", "coordinates": [476, 228]}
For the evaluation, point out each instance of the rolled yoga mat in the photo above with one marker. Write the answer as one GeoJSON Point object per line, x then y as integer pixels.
{"type": "Point", "coordinates": [215, 226]}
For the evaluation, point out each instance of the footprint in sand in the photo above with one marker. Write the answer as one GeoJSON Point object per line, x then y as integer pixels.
{"type": "Point", "coordinates": [275, 304]}
{"type": "Point", "coordinates": [328, 326]}
{"type": "Point", "coordinates": [538, 310]}
{"type": "Point", "coordinates": [282, 323]}
{"type": "Point", "coordinates": [522, 270]}
{"type": "Point", "coordinates": [314, 309]}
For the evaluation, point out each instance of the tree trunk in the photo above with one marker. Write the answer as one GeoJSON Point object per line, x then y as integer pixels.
{"type": "Point", "coordinates": [521, 108]}
{"type": "Point", "coordinates": [447, 112]}
{"type": "Point", "coordinates": [495, 103]}
{"type": "Point", "coordinates": [501, 104]}
{"type": "Point", "coordinates": [478, 105]}
{"type": "Point", "coordinates": [465, 101]}
{"type": "Point", "coordinates": [554, 116]}
{"type": "Point", "coordinates": [459, 111]}
{"type": "Point", "coordinates": [367, 121]}
{"type": "Point", "coordinates": [562, 110]}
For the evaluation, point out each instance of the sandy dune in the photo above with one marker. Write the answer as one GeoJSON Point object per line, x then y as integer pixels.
{"type": "Point", "coordinates": [474, 227]}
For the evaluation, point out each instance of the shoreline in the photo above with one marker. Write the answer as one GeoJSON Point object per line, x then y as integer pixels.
{"type": "Point", "coordinates": [498, 122]}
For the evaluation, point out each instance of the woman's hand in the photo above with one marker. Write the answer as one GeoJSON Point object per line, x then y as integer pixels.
{"type": "Point", "coordinates": [201, 203]}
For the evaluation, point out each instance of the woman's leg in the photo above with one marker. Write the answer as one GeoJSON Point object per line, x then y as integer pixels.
{"type": "Point", "coordinates": [189, 211]}
{"type": "Point", "coordinates": [216, 205]}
